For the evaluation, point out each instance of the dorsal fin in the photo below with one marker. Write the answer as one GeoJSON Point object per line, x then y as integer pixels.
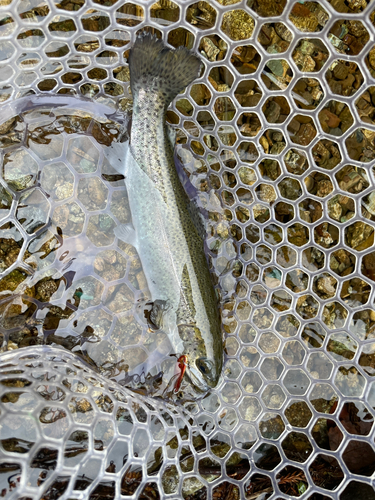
{"type": "Point", "coordinates": [197, 218]}
{"type": "Point", "coordinates": [172, 135]}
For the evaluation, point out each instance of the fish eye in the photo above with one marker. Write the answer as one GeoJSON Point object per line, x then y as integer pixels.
{"type": "Point", "coordinates": [204, 365]}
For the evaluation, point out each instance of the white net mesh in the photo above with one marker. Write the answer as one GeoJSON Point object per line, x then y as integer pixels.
{"type": "Point", "coordinates": [282, 127]}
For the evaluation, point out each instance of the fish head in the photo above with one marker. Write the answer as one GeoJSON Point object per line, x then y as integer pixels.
{"type": "Point", "coordinates": [202, 370]}
{"type": "Point", "coordinates": [203, 373]}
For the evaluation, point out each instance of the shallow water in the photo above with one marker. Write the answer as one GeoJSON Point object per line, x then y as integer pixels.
{"type": "Point", "coordinates": [79, 286]}
{"type": "Point", "coordinates": [68, 283]}
{"type": "Point", "coordinates": [288, 187]}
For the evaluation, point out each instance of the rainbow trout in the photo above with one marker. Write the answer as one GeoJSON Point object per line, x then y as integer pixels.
{"type": "Point", "coordinates": [183, 302]}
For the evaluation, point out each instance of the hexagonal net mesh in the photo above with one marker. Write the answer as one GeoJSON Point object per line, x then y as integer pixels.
{"type": "Point", "coordinates": [278, 135]}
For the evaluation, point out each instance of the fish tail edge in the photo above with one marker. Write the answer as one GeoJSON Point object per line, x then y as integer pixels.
{"type": "Point", "coordinates": [153, 66]}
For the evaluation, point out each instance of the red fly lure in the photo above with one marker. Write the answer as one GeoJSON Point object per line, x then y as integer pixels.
{"type": "Point", "coordinates": [182, 364]}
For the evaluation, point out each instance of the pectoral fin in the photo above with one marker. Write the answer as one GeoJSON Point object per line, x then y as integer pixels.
{"type": "Point", "coordinates": [126, 233]}
{"type": "Point", "coordinates": [154, 313]}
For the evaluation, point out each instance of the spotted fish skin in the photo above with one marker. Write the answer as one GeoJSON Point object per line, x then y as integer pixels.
{"type": "Point", "coordinates": [168, 242]}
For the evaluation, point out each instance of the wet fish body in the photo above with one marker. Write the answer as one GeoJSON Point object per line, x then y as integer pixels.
{"type": "Point", "coordinates": [167, 240]}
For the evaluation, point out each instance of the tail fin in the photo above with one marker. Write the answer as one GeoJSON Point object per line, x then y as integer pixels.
{"type": "Point", "coordinates": [155, 67]}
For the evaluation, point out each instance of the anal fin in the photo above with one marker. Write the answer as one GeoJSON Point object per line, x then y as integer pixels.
{"type": "Point", "coordinates": [126, 233]}
{"type": "Point", "coordinates": [116, 153]}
